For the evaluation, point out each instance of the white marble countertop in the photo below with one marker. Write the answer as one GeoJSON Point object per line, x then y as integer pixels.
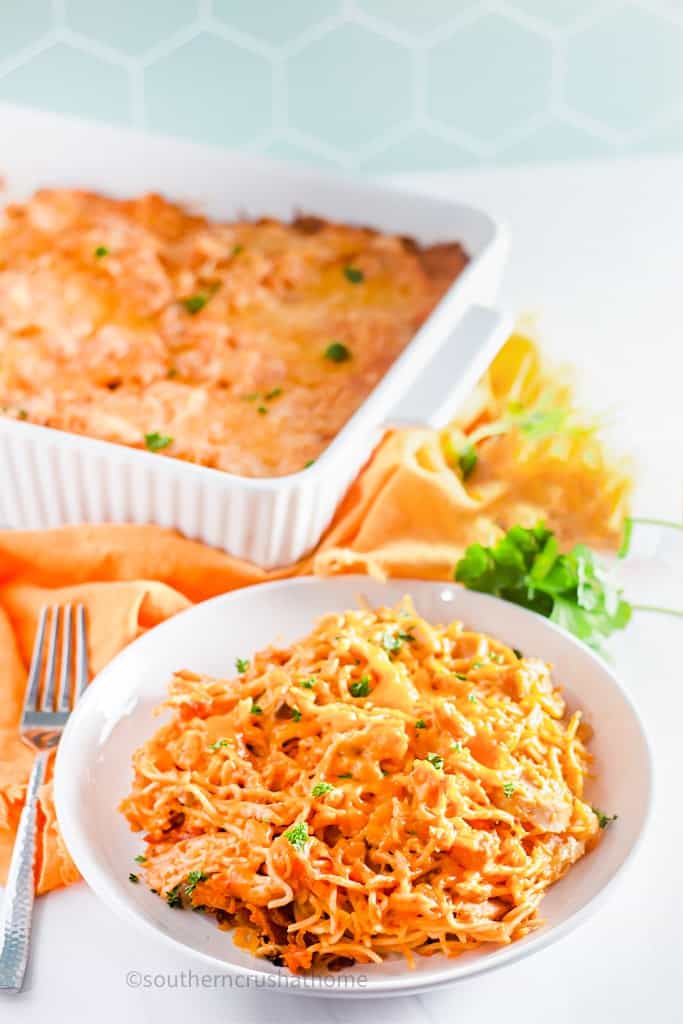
{"type": "Point", "coordinates": [597, 254]}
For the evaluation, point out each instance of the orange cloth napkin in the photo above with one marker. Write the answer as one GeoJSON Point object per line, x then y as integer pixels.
{"type": "Point", "coordinates": [408, 514]}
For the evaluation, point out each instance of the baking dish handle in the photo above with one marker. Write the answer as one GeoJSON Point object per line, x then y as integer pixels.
{"type": "Point", "coordinates": [449, 377]}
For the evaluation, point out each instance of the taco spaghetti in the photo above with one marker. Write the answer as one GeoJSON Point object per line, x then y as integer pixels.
{"type": "Point", "coordinates": [381, 786]}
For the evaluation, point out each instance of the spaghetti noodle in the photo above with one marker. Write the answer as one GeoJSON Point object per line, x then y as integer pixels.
{"type": "Point", "coordinates": [382, 786]}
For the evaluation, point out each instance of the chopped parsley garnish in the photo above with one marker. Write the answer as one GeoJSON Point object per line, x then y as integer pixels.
{"type": "Point", "coordinates": [141, 859]}
{"type": "Point", "coordinates": [477, 664]}
{"type": "Point", "coordinates": [517, 653]}
{"type": "Point", "coordinates": [354, 275]}
{"type": "Point", "coordinates": [101, 251]}
{"type": "Point", "coordinates": [195, 303]}
{"type": "Point", "coordinates": [467, 460]}
{"type": "Point", "coordinates": [173, 897]}
{"type": "Point", "coordinates": [155, 442]}
{"type": "Point", "coordinates": [236, 250]}
{"type": "Point", "coordinates": [572, 590]}
{"type": "Point", "coordinates": [262, 410]}
{"type": "Point", "coordinates": [296, 714]}
{"type": "Point", "coordinates": [321, 788]}
{"type": "Point", "coordinates": [508, 789]}
{"type": "Point", "coordinates": [361, 688]}
{"type": "Point", "coordinates": [219, 743]}
{"type": "Point", "coordinates": [251, 397]}
{"type": "Point", "coordinates": [309, 463]}
{"type": "Point", "coordinates": [461, 677]}
{"type": "Point", "coordinates": [256, 709]}
{"type": "Point", "coordinates": [337, 353]}
{"type": "Point", "coordinates": [540, 422]}
{"type": "Point", "coordinates": [193, 880]}
{"type": "Point", "coordinates": [436, 760]}
{"type": "Point", "coordinates": [420, 724]}
{"type": "Point", "coordinates": [308, 684]}
{"type": "Point", "coordinates": [603, 819]}
{"type": "Point", "coordinates": [242, 665]}
{"type": "Point", "coordinates": [133, 878]}
{"type": "Point", "coordinates": [297, 835]}
{"type": "Point", "coordinates": [346, 775]}
{"type": "Point", "coordinates": [392, 642]}
{"type": "Point", "coordinates": [270, 395]}
{"type": "Point", "coordinates": [456, 746]}
{"type": "Point", "coordinates": [472, 698]}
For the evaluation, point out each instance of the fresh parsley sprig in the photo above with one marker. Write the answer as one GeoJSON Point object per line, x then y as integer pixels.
{"type": "Point", "coordinates": [298, 835]}
{"type": "Point", "coordinates": [572, 589]}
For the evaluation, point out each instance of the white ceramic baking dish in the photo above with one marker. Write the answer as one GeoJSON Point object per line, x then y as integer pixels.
{"type": "Point", "coordinates": [49, 478]}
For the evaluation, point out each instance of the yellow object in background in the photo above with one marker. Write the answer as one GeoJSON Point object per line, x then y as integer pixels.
{"type": "Point", "coordinates": [411, 513]}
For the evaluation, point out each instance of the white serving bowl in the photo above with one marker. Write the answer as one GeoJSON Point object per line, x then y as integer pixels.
{"type": "Point", "coordinates": [93, 770]}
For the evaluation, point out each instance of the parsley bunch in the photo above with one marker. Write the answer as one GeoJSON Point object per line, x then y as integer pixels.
{"type": "Point", "coordinates": [571, 589]}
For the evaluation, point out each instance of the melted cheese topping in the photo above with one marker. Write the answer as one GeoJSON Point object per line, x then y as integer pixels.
{"type": "Point", "coordinates": [382, 786]}
{"type": "Point", "coordinates": [124, 319]}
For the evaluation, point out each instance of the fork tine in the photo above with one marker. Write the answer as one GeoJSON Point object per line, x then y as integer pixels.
{"type": "Point", "coordinates": [48, 701]}
{"type": "Point", "coordinates": [81, 653]}
{"type": "Point", "coordinates": [33, 684]}
{"type": "Point", "coordinates": [64, 688]}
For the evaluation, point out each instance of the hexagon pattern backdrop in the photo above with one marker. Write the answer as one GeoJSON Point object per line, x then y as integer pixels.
{"type": "Point", "coordinates": [371, 85]}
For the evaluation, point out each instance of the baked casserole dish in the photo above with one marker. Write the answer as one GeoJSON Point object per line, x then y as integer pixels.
{"type": "Point", "coordinates": [244, 346]}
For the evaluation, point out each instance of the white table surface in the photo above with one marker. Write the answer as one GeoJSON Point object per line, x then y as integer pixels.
{"type": "Point", "coordinates": [597, 254]}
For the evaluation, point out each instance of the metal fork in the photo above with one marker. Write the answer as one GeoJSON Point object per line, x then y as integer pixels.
{"type": "Point", "coordinates": [46, 711]}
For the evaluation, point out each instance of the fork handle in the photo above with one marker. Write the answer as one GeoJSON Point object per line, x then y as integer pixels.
{"type": "Point", "coordinates": [18, 902]}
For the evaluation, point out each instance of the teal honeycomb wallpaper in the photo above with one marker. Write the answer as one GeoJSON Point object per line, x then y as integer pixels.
{"type": "Point", "coordinates": [371, 85]}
